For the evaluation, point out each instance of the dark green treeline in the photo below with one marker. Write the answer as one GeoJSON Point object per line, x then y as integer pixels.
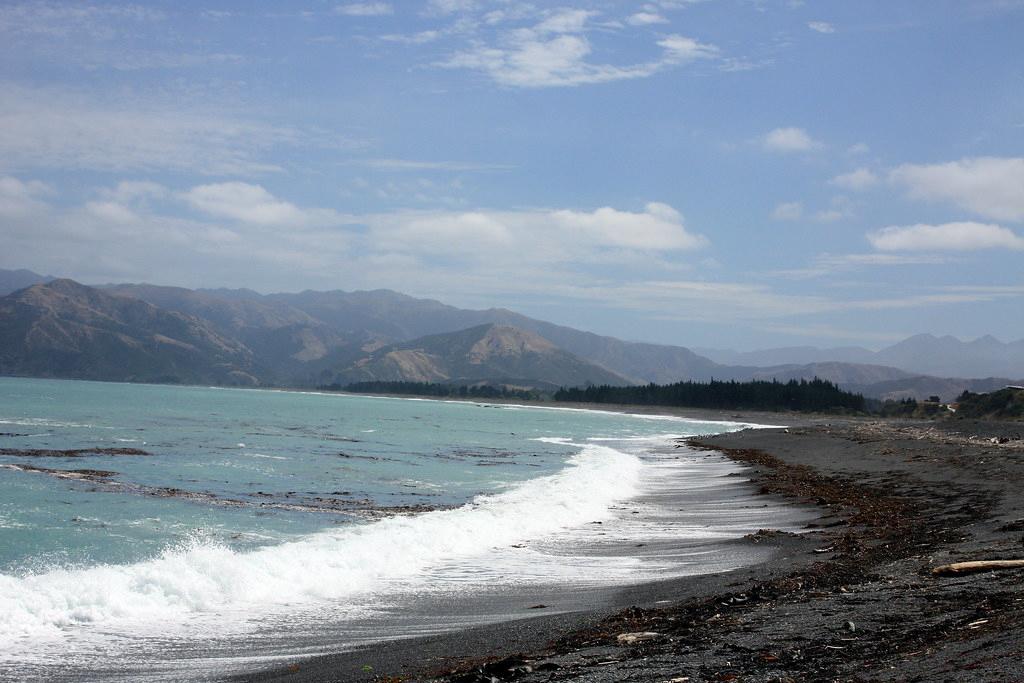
{"type": "Point", "coordinates": [434, 389]}
{"type": "Point", "coordinates": [816, 395]}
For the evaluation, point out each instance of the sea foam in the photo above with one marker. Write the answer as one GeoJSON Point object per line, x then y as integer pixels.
{"type": "Point", "coordinates": [203, 578]}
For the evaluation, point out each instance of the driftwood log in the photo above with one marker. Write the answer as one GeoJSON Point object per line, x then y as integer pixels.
{"type": "Point", "coordinates": [958, 568]}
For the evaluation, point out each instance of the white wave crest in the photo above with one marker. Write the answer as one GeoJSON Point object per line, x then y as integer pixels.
{"type": "Point", "coordinates": [203, 578]}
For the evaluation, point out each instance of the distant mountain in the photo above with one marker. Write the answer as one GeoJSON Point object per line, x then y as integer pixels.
{"type": "Point", "coordinates": [13, 280]}
{"type": "Point", "coordinates": [950, 357]}
{"type": "Point", "coordinates": [843, 374]}
{"type": "Point", "coordinates": [922, 354]}
{"type": "Point", "coordinates": [788, 355]}
{"type": "Point", "coordinates": [372, 317]}
{"type": "Point", "coordinates": [921, 387]}
{"type": "Point", "coordinates": [492, 353]}
{"type": "Point", "coordinates": [289, 342]}
{"type": "Point", "coordinates": [882, 382]}
{"type": "Point", "coordinates": [64, 329]}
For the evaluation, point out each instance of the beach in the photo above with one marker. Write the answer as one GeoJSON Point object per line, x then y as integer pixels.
{"type": "Point", "coordinates": [853, 597]}
{"type": "Point", "coordinates": [170, 533]}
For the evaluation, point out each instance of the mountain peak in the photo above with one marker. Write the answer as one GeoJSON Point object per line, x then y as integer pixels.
{"type": "Point", "coordinates": [493, 353]}
{"type": "Point", "coordinates": [63, 284]}
{"type": "Point", "coordinates": [507, 341]}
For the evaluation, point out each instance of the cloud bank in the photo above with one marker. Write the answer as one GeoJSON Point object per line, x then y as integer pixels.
{"type": "Point", "coordinates": [989, 186]}
{"type": "Point", "coordinates": [961, 236]}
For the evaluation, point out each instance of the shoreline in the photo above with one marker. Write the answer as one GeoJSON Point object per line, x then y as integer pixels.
{"type": "Point", "coordinates": [852, 597]}
{"type": "Point", "coordinates": [699, 414]}
{"type": "Point", "coordinates": [558, 599]}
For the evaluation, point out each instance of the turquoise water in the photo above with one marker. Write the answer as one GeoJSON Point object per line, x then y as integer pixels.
{"type": "Point", "coordinates": [256, 512]}
{"type": "Point", "coordinates": [266, 451]}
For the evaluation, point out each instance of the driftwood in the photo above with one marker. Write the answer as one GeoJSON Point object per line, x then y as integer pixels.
{"type": "Point", "coordinates": [958, 568]}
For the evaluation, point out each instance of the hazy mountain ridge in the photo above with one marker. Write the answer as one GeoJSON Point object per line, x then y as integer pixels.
{"type": "Point", "coordinates": [383, 315]}
{"type": "Point", "coordinates": [921, 354]}
{"type": "Point", "coordinates": [290, 342]}
{"type": "Point", "coordinates": [310, 337]}
{"type": "Point", "coordinates": [64, 329]}
{"type": "Point", "coordinates": [788, 355]}
{"type": "Point", "coordinates": [13, 280]}
{"type": "Point", "coordinates": [837, 373]}
{"type": "Point", "coordinates": [921, 387]}
{"type": "Point", "coordinates": [483, 353]}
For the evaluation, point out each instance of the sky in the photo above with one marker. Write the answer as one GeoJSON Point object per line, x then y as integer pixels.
{"type": "Point", "coordinates": [720, 173]}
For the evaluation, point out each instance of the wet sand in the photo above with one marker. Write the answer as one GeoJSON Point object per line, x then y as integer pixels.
{"type": "Point", "coordinates": [852, 599]}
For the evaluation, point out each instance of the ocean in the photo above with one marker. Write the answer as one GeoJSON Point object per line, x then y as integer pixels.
{"type": "Point", "coordinates": [192, 532]}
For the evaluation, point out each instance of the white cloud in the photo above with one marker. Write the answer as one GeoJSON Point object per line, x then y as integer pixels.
{"type": "Point", "coordinates": [859, 148]}
{"type": "Point", "coordinates": [450, 6]}
{"type": "Point", "coordinates": [66, 129]}
{"type": "Point", "coordinates": [254, 204]}
{"type": "Point", "coordinates": [680, 49]}
{"type": "Point", "coordinates": [829, 215]}
{"type": "Point", "coordinates": [365, 9]}
{"type": "Point", "coordinates": [962, 236]}
{"type": "Point", "coordinates": [840, 207]}
{"type": "Point", "coordinates": [132, 232]}
{"type": "Point", "coordinates": [704, 301]}
{"type": "Point", "coordinates": [85, 35]}
{"type": "Point", "coordinates": [562, 61]}
{"type": "Point", "coordinates": [854, 260]}
{"type": "Point", "coordinates": [21, 198]}
{"type": "Point", "coordinates": [646, 19]}
{"type": "Point", "coordinates": [788, 211]}
{"type": "Point", "coordinates": [415, 165]}
{"type": "Point", "coordinates": [556, 52]}
{"type": "Point", "coordinates": [860, 179]}
{"type": "Point", "coordinates": [821, 26]}
{"type": "Point", "coordinates": [564, 21]}
{"type": "Point", "coordinates": [63, 19]}
{"type": "Point", "coordinates": [558, 235]}
{"type": "Point", "coordinates": [133, 190]}
{"type": "Point", "coordinates": [990, 186]}
{"type": "Point", "coordinates": [789, 140]}
{"type": "Point", "coordinates": [830, 264]}
{"type": "Point", "coordinates": [419, 38]}
{"type": "Point", "coordinates": [111, 212]}
{"type": "Point", "coordinates": [470, 233]}
{"type": "Point", "coordinates": [659, 227]}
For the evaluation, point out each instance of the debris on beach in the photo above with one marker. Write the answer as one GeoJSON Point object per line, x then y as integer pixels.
{"type": "Point", "coordinates": [958, 568]}
{"type": "Point", "coordinates": [633, 638]}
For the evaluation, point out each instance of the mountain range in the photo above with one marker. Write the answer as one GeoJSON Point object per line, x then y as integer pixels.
{"type": "Point", "coordinates": [922, 354]}
{"type": "Point", "coordinates": [64, 329]}
{"type": "Point", "coordinates": [140, 332]}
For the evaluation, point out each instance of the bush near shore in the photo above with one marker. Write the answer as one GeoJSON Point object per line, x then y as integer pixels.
{"type": "Point", "coordinates": [1005, 404]}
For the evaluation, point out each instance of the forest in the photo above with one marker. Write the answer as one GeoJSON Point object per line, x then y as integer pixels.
{"type": "Point", "coordinates": [816, 395]}
{"type": "Point", "coordinates": [435, 389]}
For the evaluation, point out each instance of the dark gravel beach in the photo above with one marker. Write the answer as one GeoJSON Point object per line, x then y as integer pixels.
{"type": "Point", "coordinates": [853, 599]}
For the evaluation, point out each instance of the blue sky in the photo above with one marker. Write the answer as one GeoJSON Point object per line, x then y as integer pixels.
{"type": "Point", "coordinates": [731, 173]}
